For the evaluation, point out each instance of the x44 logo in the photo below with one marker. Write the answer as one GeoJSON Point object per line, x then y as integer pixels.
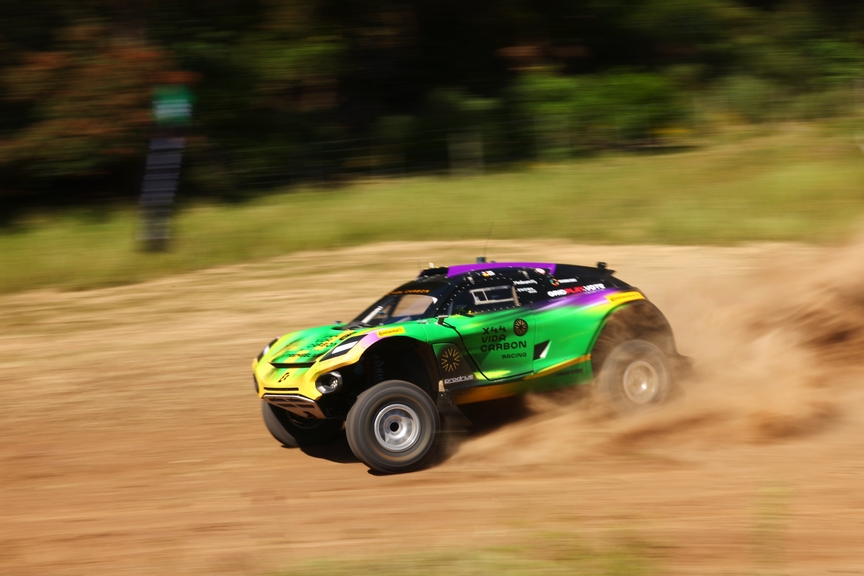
{"type": "Point", "coordinates": [494, 330]}
{"type": "Point", "coordinates": [494, 334]}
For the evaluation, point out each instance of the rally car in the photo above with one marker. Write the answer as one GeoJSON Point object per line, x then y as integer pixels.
{"type": "Point", "coordinates": [462, 335]}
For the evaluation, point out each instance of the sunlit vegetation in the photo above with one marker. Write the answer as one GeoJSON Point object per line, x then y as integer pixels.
{"type": "Point", "coordinates": [798, 182]}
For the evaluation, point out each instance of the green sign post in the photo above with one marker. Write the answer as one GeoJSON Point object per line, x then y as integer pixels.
{"type": "Point", "coordinates": [172, 111]}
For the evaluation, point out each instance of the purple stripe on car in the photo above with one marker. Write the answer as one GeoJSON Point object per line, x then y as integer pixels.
{"type": "Point", "coordinates": [463, 268]}
{"type": "Point", "coordinates": [583, 299]}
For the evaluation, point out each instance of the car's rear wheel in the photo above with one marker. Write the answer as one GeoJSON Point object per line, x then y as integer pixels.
{"type": "Point", "coordinates": [635, 375]}
{"type": "Point", "coordinates": [393, 427]}
{"type": "Point", "coordinates": [295, 431]}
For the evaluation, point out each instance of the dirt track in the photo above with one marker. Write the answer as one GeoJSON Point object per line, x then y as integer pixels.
{"type": "Point", "coordinates": [131, 439]}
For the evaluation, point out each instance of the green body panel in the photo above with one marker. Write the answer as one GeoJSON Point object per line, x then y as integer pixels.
{"type": "Point", "coordinates": [565, 337]}
{"type": "Point", "coordinates": [489, 339]}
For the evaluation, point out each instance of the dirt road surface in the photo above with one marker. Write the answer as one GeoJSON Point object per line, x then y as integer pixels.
{"type": "Point", "coordinates": [131, 440]}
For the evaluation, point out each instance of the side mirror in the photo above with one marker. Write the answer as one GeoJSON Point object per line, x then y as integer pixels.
{"type": "Point", "coordinates": [440, 320]}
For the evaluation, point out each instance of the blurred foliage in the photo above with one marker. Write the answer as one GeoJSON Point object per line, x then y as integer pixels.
{"type": "Point", "coordinates": [592, 111]}
{"type": "Point", "coordinates": [292, 91]}
{"type": "Point", "coordinates": [800, 183]}
{"type": "Point", "coordinates": [87, 102]}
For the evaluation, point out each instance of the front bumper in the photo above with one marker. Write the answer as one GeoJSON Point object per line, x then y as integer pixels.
{"type": "Point", "coordinates": [292, 389]}
{"type": "Point", "coordinates": [296, 404]}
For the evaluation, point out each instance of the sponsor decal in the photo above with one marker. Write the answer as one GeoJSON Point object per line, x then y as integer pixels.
{"type": "Point", "coordinates": [503, 346]}
{"type": "Point", "coordinates": [624, 297]}
{"type": "Point", "coordinates": [298, 345]}
{"type": "Point", "coordinates": [411, 291]}
{"type": "Point", "coordinates": [450, 360]}
{"type": "Point", "coordinates": [520, 327]}
{"type": "Point", "coordinates": [495, 338]}
{"type": "Point", "coordinates": [576, 290]}
{"type": "Point", "coordinates": [493, 330]}
{"type": "Point", "coordinates": [390, 332]}
{"type": "Point", "coordinates": [466, 378]}
{"type": "Point", "coordinates": [568, 280]}
{"type": "Point", "coordinates": [524, 282]}
{"type": "Point", "coordinates": [568, 372]}
{"type": "Point", "coordinates": [514, 355]}
{"type": "Point", "coordinates": [487, 273]}
{"type": "Point", "coordinates": [297, 348]}
{"type": "Point", "coordinates": [528, 290]}
{"type": "Point", "coordinates": [284, 376]}
{"type": "Point", "coordinates": [299, 354]}
{"type": "Point", "coordinates": [553, 281]}
{"type": "Point", "coordinates": [540, 270]}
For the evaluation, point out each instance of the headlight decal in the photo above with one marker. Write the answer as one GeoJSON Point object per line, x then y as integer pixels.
{"type": "Point", "coordinates": [344, 347]}
{"type": "Point", "coordinates": [266, 349]}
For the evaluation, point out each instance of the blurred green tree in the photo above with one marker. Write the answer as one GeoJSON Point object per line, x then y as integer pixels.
{"type": "Point", "coordinates": [294, 90]}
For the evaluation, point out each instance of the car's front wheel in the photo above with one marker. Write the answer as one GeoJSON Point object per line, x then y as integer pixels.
{"type": "Point", "coordinates": [635, 375]}
{"type": "Point", "coordinates": [393, 427]}
{"type": "Point", "coordinates": [296, 432]}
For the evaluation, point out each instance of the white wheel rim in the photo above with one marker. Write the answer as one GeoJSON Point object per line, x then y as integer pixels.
{"type": "Point", "coordinates": [640, 382]}
{"type": "Point", "coordinates": [397, 427]}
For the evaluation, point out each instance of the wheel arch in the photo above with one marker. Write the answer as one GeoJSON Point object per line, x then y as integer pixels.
{"type": "Point", "coordinates": [405, 358]}
{"type": "Point", "coordinates": [633, 320]}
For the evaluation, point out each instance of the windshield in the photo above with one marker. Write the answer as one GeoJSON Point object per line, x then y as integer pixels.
{"type": "Point", "coordinates": [409, 302]}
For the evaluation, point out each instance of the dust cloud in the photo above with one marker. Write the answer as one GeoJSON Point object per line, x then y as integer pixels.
{"type": "Point", "coordinates": [777, 351]}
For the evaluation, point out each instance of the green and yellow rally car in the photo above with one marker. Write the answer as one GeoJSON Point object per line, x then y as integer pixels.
{"type": "Point", "coordinates": [456, 336]}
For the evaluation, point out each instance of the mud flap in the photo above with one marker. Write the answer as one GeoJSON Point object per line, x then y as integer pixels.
{"type": "Point", "coordinates": [682, 366]}
{"type": "Point", "coordinates": [449, 411]}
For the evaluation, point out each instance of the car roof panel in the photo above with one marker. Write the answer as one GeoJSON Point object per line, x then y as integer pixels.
{"type": "Point", "coordinates": [465, 268]}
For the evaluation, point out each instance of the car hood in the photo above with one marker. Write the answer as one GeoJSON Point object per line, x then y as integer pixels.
{"type": "Point", "coordinates": [306, 346]}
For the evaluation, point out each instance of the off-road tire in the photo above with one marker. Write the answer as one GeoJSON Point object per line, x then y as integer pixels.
{"type": "Point", "coordinates": [393, 427]}
{"type": "Point", "coordinates": [635, 375]}
{"type": "Point", "coordinates": [296, 432]}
